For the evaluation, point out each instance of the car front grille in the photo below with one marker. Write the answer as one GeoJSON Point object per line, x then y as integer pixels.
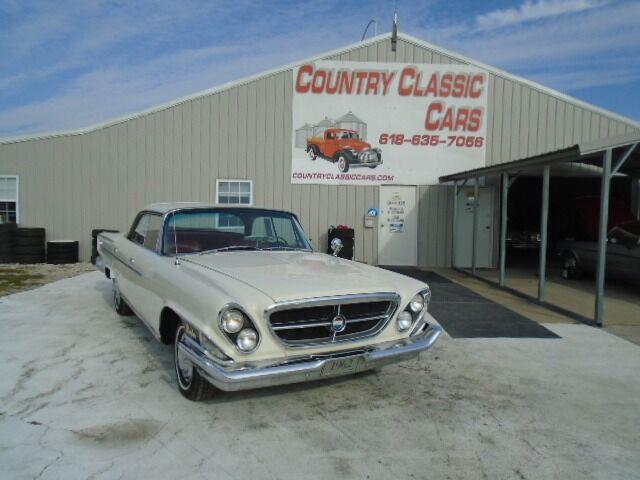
{"type": "Point", "coordinates": [309, 322]}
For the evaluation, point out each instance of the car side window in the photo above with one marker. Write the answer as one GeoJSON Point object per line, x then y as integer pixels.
{"type": "Point", "coordinates": [139, 231]}
{"type": "Point", "coordinates": [154, 229]}
{"type": "Point", "coordinates": [147, 231]}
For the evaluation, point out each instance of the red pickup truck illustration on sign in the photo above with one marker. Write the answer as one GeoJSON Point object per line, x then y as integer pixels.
{"type": "Point", "coordinates": [344, 147]}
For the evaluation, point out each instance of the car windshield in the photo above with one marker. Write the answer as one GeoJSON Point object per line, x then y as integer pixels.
{"type": "Point", "coordinates": [232, 229]}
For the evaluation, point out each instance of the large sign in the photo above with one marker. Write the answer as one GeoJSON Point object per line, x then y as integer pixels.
{"type": "Point", "coordinates": [365, 123]}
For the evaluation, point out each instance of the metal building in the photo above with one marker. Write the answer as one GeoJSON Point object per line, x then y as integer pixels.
{"type": "Point", "coordinates": [302, 133]}
{"type": "Point", "coordinates": [322, 125]}
{"type": "Point", "coordinates": [350, 121]}
{"type": "Point", "coordinates": [235, 142]}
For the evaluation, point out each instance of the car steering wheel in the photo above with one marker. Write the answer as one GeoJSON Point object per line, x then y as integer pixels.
{"type": "Point", "coordinates": [279, 241]}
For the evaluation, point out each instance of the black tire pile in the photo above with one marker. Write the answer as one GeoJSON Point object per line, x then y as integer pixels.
{"type": "Point", "coordinates": [60, 252]}
{"type": "Point", "coordinates": [7, 235]}
{"type": "Point", "coordinates": [29, 245]}
{"type": "Point", "coordinates": [94, 242]}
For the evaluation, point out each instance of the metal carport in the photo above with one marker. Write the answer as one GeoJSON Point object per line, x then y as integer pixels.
{"type": "Point", "coordinates": [614, 155]}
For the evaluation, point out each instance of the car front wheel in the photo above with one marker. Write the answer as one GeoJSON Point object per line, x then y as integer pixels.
{"type": "Point", "coordinates": [343, 163]}
{"type": "Point", "coordinates": [190, 382]}
{"type": "Point", "coordinates": [312, 153]}
{"type": "Point", "coordinates": [570, 267]}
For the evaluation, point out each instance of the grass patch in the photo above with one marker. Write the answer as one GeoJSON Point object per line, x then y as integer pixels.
{"type": "Point", "coordinates": [14, 279]}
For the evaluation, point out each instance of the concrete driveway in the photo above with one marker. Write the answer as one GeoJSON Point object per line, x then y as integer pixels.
{"type": "Point", "coordinates": [87, 394]}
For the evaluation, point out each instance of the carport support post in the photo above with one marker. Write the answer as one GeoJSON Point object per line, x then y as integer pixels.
{"type": "Point", "coordinates": [503, 227]}
{"type": "Point", "coordinates": [455, 221]}
{"type": "Point", "coordinates": [602, 235]}
{"type": "Point", "coordinates": [474, 240]}
{"type": "Point", "coordinates": [544, 218]}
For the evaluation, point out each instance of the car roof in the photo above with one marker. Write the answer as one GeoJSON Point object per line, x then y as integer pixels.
{"type": "Point", "coordinates": [166, 207]}
{"type": "Point", "coordinates": [341, 130]}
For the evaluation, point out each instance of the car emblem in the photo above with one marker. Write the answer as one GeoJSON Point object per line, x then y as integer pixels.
{"type": "Point", "coordinates": [338, 324]}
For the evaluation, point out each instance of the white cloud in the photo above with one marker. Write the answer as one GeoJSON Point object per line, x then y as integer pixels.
{"type": "Point", "coordinates": [102, 60]}
{"type": "Point", "coordinates": [529, 11]}
{"type": "Point", "coordinates": [112, 91]}
{"type": "Point", "coordinates": [603, 42]}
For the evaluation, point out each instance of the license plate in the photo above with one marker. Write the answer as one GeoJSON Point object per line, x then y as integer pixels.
{"type": "Point", "coordinates": [341, 366]}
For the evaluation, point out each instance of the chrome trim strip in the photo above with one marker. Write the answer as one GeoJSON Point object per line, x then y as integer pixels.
{"type": "Point", "coordinates": [121, 261]}
{"type": "Point", "coordinates": [367, 319]}
{"type": "Point", "coordinates": [333, 300]}
{"type": "Point", "coordinates": [323, 323]}
{"type": "Point", "coordinates": [308, 368]}
{"type": "Point", "coordinates": [391, 297]}
{"type": "Point", "coordinates": [293, 326]}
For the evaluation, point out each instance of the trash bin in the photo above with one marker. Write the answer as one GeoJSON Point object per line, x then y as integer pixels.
{"type": "Point", "coordinates": [347, 236]}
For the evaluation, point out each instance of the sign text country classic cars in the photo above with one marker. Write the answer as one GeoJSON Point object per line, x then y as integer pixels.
{"type": "Point", "coordinates": [366, 123]}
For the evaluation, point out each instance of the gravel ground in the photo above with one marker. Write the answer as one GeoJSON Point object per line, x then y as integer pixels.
{"type": "Point", "coordinates": [15, 277]}
{"type": "Point", "coordinates": [85, 393]}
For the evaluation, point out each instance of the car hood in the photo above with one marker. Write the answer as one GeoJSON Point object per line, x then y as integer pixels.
{"type": "Point", "coordinates": [356, 145]}
{"type": "Point", "coordinates": [286, 275]}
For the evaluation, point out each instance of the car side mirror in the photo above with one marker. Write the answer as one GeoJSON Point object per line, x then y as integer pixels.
{"type": "Point", "coordinates": [336, 246]}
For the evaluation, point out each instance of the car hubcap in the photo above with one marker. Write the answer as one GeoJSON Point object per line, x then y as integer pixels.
{"type": "Point", "coordinates": [312, 154]}
{"type": "Point", "coordinates": [341, 163]}
{"type": "Point", "coordinates": [569, 263]}
{"type": "Point", "coordinates": [184, 367]}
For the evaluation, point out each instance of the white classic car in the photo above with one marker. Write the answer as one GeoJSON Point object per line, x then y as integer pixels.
{"type": "Point", "coordinates": [247, 303]}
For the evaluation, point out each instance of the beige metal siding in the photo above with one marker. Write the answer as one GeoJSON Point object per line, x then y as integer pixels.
{"type": "Point", "coordinates": [74, 183]}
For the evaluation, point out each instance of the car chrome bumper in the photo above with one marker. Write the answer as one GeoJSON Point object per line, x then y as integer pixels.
{"type": "Point", "coordinates": [312, 367]}
{"type": "Point", "coordinates": [367, 164]}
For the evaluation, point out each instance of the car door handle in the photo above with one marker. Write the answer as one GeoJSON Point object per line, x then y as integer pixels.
{"type": "Point", "coordinates": [132, 260]}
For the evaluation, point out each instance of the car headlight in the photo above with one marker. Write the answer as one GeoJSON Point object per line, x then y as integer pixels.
{"type": "Point", "coordinates": [232, 321]}
{"type": "Point", "coordinates": [238, 328]}
{"type": "Point", "coordinates": [414, 310]}
{"type": "Point", "coordinates": [405, 320]}
{"type": "Point", "coordinates": [247, 339]}
{"type": "Point", "coordinates": [417, 303]}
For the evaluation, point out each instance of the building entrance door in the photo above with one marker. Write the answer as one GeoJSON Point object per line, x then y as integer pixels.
{"type": "Point", "coordinates": [398, 225]}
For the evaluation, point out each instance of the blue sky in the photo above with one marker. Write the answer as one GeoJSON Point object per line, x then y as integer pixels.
{"type": "Point", "coordinates": [70, 64]}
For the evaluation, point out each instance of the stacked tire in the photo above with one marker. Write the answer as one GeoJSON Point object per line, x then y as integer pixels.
{"type": "Point", "coordinates": [94, 242]}
{"type": "Point", "coordinates": [7, 240]}
{"type": "Point", "coordinates": [60, 252]}
{"type": "Point", "coordinates": [29, 245]}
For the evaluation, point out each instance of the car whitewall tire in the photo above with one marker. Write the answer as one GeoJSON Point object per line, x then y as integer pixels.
{"type": "Point", "coordinates": [343, 163]}
{"type": "Point", "coordinates": [190, 382]}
